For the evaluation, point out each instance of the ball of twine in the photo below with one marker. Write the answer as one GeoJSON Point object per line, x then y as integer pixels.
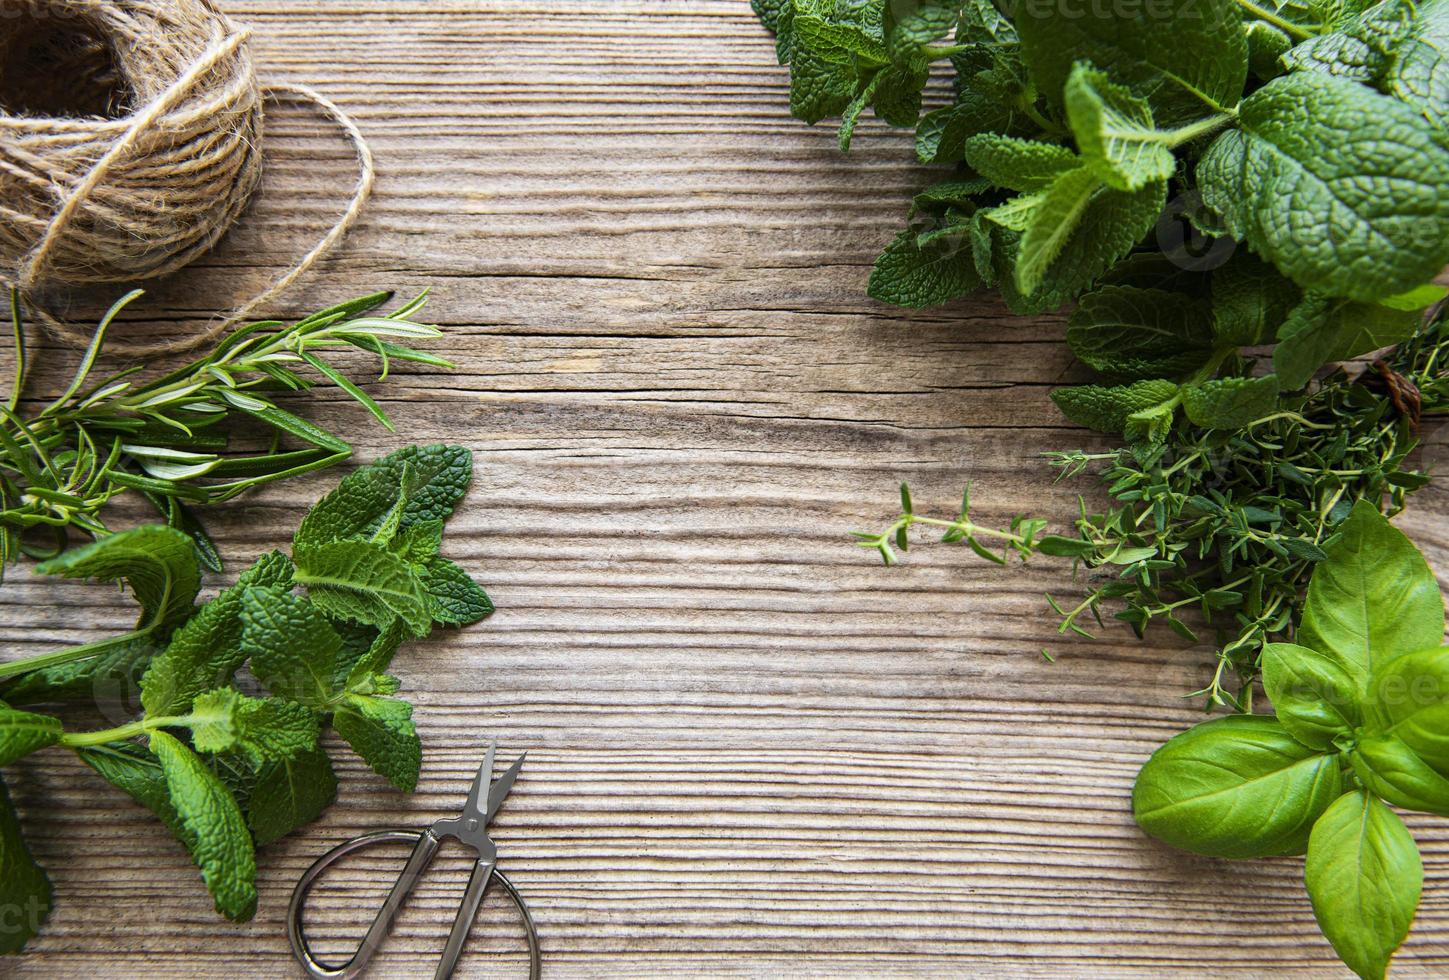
{"type": "Point", "coordinates": [154, 152]}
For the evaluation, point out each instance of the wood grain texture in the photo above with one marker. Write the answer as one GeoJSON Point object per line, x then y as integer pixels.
{"type": "Point", "coordinates": [752, 751]}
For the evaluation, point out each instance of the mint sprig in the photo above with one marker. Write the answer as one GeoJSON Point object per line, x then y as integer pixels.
{"type": "Point", "coordinates": [225, 766]}
{"type": "Point", "coordinates": [1311, 135]}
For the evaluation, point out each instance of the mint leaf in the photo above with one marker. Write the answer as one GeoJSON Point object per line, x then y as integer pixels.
{"type": "Point", "coordinates": [1250, 301]}
{"type": "Point", "coordinates": [219, 840]}
{"type": "Point", "coordinates": [1361, 49]}
{"type": "Point", "coordinates": [366, 652]}
{"type": "Point", "coordinates": [1108, 409]}
{"type": "Point", "coordinates": [25, 890]}
{"type": "Point", "coordinates": [1266, 46]}
{"type": "Point", "coordinates": [382, 732]}
{"type": "Point", "coordinates": [1130, 334]}
{"type": "Point", "coordinates": [110, 674]}
{"type": "Point", "coordinates": [364, 582]}
{"type": "Point", "coordinates": [1322, 329]}
{"type": "Point", "coordinates": [1115, 132]}
{"type": "Point", "coordinates": [159, 564]}
{"type": "Point", "coordinates": [22, 733]}
{"type": "Point", "coordinates": [1230, 403]}
{"type": "Point", "coordinates": [1018, 164]}
{"type": "Point", "coordinates": [262, 729]}
{"type": "Point", "coordinates": [1236, 787]}
{"type": "Point", "coordinates": [289, 794]}
{"type": "Point", "coordinates": [1299, 164]}
{"type": "Point", "coordinates": [1420, 74]}
{"type": "Point", "coordinates": [912, 24]}
{"type": "Point", "coordinates": [206, 651]}
{"type": "Point", "coordinates": [1052, 220]}
{"type": "Point", "coordinates": [1374, 597]}
{"type": "Point", "coordinates": [907, 274]}
{"type": "Point", "coordinates": [1111, 224]}
{"type": "Point", "coordinates": [1186, 67]}
{"type": "Point", "coordinates": [1364, 876]}
{"type": "Point", "coordinates": [292, 647]}
{"type": "Point", "coordinates": [454, 598]}
{"type": "Point", "coordinates": [136, 771]}
{"type": "Point", "coordinates": [359, 505]}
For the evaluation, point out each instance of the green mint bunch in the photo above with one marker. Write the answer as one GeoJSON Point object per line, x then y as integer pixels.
{"type": "Point", "coordinates": [1120, 157]}
{"type": "Point", "coordinates": [1362, 723]}
{"type": "Point", "coordinates": [173, 438]}
{"type": "Point", "coordinates": [1222, 528]}
{"type": "Point", "coordinates": [231, 763]}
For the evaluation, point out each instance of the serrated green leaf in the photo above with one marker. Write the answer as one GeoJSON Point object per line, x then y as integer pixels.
{"type": "Point", "coordinates": [25, 889]}
{"type": "Point", "coordinates": [1115, 132]}
{"type": "Point", "coordinates": [1107, 409]}
{"type": "Point", "coordinates": [1361, 49]}
{"type": "Point", "coordinates": [1132, 334]}
{"type": "Point", "coordinates": [1320, 329]}
{"type": "Point", "coordinates": [364, 582]}
{"type": "Point", "coordinates": [1114, 221]}
{"type": "Point", "coordinates": [908, 275]}
{"type": "Point", "coordinates": [1019, 164]}
{"type": "Point", "coordinates": [1300, 162]}
{"type": "Point", "coordinates": [454, 598]}
{"type": "Point", "coordinates": [1266, 47]}
{"type": "Point", "coordinates": [22, 733]}
{"type": "Point", "coordinates": [1052, 223]}
{"type": "Point", "coordinates": [159, 563]}
{"type": "Point", "coordinates": [219, 840]}
{"type": "Point", "coordinates": [1185, 66]}
{"type": "Point", "coordinates": [289, 794]}
{"type": "Point", "coordinates": [1250, 301]}
{"type": "Point", "coordinates": [1230, 403]}
{"type": "Point", "coordinates": [438, 478]}
{"type": "Point", "coordinates": [382, 732]}
{"type": "Point", "coordinates": [206, 651]}
{"type": "Point", "coordinates": [262, 729]}
{"type": "Point", "coordinates": [292, 648]}
{"type": "Point", "coordinates": [109, 675]}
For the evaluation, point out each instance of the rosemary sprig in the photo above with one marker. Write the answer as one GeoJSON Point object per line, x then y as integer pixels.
{"type": "Point", "coordinates": [171, 438]}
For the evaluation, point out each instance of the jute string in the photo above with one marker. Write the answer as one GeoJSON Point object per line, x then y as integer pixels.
{"type": "Point", "coordinates": [96, 199]}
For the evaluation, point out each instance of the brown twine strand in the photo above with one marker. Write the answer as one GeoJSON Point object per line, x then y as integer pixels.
{"type": "Point", "coordinates": [100, 199]}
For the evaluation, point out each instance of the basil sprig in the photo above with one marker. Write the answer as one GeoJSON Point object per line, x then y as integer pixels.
{"type": "Point", "coordinates": [1362, 721]}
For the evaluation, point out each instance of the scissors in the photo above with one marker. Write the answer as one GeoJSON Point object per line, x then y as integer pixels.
{"type": "Point", "coordinates": [470, 828]}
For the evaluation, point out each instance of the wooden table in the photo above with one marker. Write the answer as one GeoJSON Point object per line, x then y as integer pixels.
{"type": "Point", "coordinates": [752, 750]}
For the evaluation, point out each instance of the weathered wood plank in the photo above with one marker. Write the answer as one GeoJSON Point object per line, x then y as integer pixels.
{"type": "Point", "coordinates": [753, 752]}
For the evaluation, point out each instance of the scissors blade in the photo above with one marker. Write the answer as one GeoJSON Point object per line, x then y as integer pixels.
{"type": "Point", "coordinates": [502, 785]}
{"type": "Point", "coordinates": [485, 773]}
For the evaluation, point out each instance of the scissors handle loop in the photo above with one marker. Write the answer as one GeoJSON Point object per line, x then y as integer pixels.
{"type": "Point", "coordinates": [425, 848]}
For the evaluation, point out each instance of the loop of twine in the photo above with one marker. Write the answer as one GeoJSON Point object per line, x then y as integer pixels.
{"type": "Point", "coordinates": [85, 201]}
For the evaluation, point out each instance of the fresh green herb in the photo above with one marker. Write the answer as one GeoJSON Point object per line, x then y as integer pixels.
{"type": "Point", "coordinates": [1362, 700]}
{"type": "Point", "coordinates": [228, 769]}
{"type": "Point", "coordinates": [169, 438]}
{"type": "Point", "coordinates": [1120, 156]}
{"type": "Point", "coordinates": [1229, 523]}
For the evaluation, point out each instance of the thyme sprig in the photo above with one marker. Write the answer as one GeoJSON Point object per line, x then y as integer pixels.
{"type": "Point", "coordinates": [172, 438]}
{"type": "Point", "coordinates": [1221, 529]}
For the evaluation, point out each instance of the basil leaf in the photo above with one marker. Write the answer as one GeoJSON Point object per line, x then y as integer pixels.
{"type": "Point", "coordinates": [1411, 698]}
{"type": "Point", "coordinates": [1235, 787]}
{"type": "Point", "coordinates": [1313, 694]}
{"type": "Point", "coordinates": [1364, 876]}
{"type": "Point", "coordinates": [1389, 769]}
{"type": "Point", "coordinates": [1373, 598]}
